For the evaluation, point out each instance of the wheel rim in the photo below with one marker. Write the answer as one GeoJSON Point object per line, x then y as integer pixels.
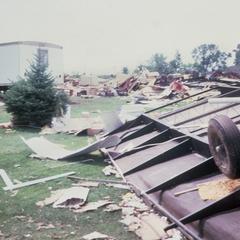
{"type": "Point", "coordinates": [220, 151]}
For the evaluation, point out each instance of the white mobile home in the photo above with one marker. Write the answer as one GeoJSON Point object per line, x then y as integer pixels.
{"type": "Point", "coordinates": [15, 58]}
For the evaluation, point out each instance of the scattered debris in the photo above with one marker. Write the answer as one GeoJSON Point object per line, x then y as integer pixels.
{"type": "Point", "coordinates": [97, 180]}
{"type": "Point", "coordinates": [93, 206]}
{"type": "Point", "coordinates": [132, 222]}
{"type": "Point", "coordinates": [140, 219]}
{"type": "Point", "coordinates": [112, 208]}
{"type": "Point", "coordinates": [110, 170]}
{"type": "Point", "coordinates": [151, 227]}
{"type": "Point", "coordinates": [185, 191]}
{"type": "Point", "coordinates": [120, 186]}
{"type": "Point", "coordinates": [55, 195]}
{"type": "Point", "coordinates": [10, 186]}
{"type": "Point", "coordinates": [85, 125]}
{"type": "Point", "coordinates": [72, 198]}
{"type": "Point", "coordinates": [6, 178]}
{"type": "Point", "coordinates": [131, 200]}
{"type": "Point", "coordinates": [57, 236]}
{"type": "Point", "coordinates": [86, 184]}
{"type": "Point", "coordinates": [214, 190]}
{"type": "Point", "coordinates": [20, 217]}
{"type": "Point", "coordinates": [41, 226]}
{"type": "Point", "coordinates": [6, 125]}
{"type": "Point", "coordinates": [27, 235]}
{"type": "Point", "coordinates": [46, 149]}
{"type": "Point", "coordinates": [17, 165]}
{"type": "Point", "coordinates": [96, 235]}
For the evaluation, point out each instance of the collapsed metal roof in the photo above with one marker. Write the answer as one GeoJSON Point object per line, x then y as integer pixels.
{"type": "Point", "coordinates": [165, 151]}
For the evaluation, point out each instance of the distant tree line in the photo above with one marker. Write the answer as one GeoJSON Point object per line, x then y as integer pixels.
{"type": "Point", "coordinates": [207, 58]}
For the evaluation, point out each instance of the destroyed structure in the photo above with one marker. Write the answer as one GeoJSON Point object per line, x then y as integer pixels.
{"type": "Point", "coordinates": [165, 158]}
{"type": "Point", "coordinates": [144, 85]}
{"type": "Point", "coordinates": [168, 161]}
{"type": "Point", "coordinates": [168, 156]}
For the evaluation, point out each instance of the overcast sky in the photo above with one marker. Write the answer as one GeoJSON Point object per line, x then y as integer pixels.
{"type": "Point", "coordinates": [102, 36]}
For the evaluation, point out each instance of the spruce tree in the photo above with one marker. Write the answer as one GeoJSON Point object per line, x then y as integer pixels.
{"type": "Point", "coordinates": [33, 101]}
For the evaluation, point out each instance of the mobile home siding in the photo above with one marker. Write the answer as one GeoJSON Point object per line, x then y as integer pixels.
{"type": "Point", "coordinates": [9, 64]}
{"type": "Point", "coordinates": [15, 59]}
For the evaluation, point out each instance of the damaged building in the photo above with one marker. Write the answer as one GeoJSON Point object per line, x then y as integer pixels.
{"type": "Point", "coordinates": [15, 58]}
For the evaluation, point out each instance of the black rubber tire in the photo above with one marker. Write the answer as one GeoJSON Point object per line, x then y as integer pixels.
{"type": "Point", "coordinates": [224, 144]}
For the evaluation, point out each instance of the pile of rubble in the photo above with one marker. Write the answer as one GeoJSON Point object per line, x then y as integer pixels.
{"type": "Point", "coordinates": [144, 84]}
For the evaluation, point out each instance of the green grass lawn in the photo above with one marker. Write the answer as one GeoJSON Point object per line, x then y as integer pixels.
{"type": "Point", "coordinates": [19, 215]}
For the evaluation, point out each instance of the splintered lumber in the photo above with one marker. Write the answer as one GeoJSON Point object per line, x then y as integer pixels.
{"type": "Point", "coordinates": [185, 191]}
{"type": "Point", "coordinates": [97, 180]}
{"type": "Point", "coordinates": [6, 178]}
{"type": "Point", "coordinates": [33, 182]}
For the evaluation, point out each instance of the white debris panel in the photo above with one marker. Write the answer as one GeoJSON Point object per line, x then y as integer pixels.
{"type": "Point", "coordinates": [46, 149]}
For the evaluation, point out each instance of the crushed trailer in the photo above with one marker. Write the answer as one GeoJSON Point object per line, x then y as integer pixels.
{"type": "Point", "coordinates": [163, 152]}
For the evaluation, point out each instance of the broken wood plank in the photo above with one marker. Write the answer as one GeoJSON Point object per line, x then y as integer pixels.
{"type": "Point", "coordinates": [97, 180]}
{"type": "Point", "coordinates": [86, 184]}
{"type": "Point", "coordinates": [118, 185]}
{"type": "Point", "coordinates": [33, 182]}
{"type": "Point", "coordinates": [6, 178]}
{"type": "Point", "coordinates": [185, 191]}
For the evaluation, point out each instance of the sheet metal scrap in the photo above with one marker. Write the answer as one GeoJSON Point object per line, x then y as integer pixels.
{"type": "Point", "coordinates": [46, 149]}
{"type": "Point", "coordinates": [168, 156]}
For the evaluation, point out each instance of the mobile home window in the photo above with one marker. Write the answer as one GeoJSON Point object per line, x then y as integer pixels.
{"type": "Point", "coordinates": [43, 54]}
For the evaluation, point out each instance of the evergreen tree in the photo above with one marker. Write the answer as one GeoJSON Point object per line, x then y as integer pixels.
{"type": "Point", "coordinates": [176, 64]}
{"type": "Point", "coordinates": [34, 100]}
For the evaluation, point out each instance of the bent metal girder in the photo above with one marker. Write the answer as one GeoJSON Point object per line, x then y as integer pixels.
{"type": "Point", "coordinates": [161, 156]}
